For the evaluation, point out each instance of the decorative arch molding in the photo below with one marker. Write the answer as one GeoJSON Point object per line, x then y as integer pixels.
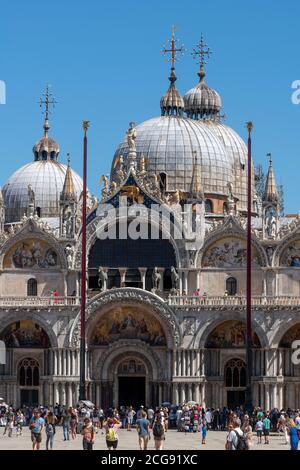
{"type": "Point", "coordinates": [208, 328]}
{"type": "Point", "coordinates": [17, 316]}
{"type": "Point", "coordinates": [283, 245]}
{"type": "Point", "coordinates": [32, 230]}
{"type": "Point", "coordinates": [116, 352]}
{"type": "Point", "coordinates": [232, 227]}
{"type": "Point", "coordinates": [97, 226]}
{"type": "Point", "coordinates": [282, 329]}
{"type": "Point", "coordinates": [130, 296]}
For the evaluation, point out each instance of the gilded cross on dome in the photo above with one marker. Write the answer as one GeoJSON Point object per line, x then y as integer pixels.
{"type": "Point", "coordinates": [47, 101]}
{"type": "Point", "coordinates": [200, 52]}
{"type": "Point", "coordinates": [173, 49]}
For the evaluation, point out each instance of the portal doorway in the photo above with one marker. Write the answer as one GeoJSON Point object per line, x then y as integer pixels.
{"type": "Point", "coordinates": [132, 391]}
{"type": "Point", "coordinates": [235, 382]}
{"type": "Point", "coordinates": [235, 398]}
{"type": "Point", "coordinates": [29, 397]}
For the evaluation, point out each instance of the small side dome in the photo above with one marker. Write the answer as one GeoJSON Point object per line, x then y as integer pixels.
{"type": "Point", "coordinates": [172, 103]}
{"type": "Point", "coordinates": [45, 148]}
{"type": "Point", "coordinates": [202, 102]}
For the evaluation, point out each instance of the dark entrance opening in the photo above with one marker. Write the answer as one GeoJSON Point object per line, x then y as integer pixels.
{"type": "Point", "coordinates": [235, 398]}
{"type": "Point", "coordinates": [29, 397]}
{"type": "Point", "coordinates": [132, 391]}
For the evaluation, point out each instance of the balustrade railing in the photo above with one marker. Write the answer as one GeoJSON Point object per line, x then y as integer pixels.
{"type": "Point", "coordinates": [32, 301]}
{"type": "Point", "coordinates": [211, 301]}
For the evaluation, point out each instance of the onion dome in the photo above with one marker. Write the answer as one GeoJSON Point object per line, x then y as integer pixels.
{"type": "Point", "coordinates": [45, 148]}
{"type": "Point", "coordinates": [202, 102]}
{"type": "Point", "coordinates": [172, 103]}
{"type": "Point", "coordinates": [271, 193]}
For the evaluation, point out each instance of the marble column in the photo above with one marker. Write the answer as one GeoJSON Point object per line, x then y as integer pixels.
{"type": "Point", "coordinates": [51, 400]}
{"type": "Point", "coordinates": [161, 282]}
{"type": "Point", "coordinates": [70, 394]}
{"type": "Point", "coordinates": [267, 396]}
{"type": "Point", "coordinates": [185, 282]}
{"type": "Point", "coordinates": [198, 280]}
{"type": "Point", "coordinates": [183, 365]}
{"type": "Point", "coordinates": [190, 392]}
{"type": "Point", "coordinates": [175, 393]}
{"type": "Point", "coordinates": [55, 393]}
{"type": "Point", "coordinates": [183, 394]}
{"type": "Point", "coordinates": [160, 394]}
{"type": "Point", "coordinates": [122, 272]}
{"type": "Point", "coordinates": [143, 272]}
{"type": "Point", "coordinates": [174, 363]}
{"type": "Point", "coordinates": [179, 362]}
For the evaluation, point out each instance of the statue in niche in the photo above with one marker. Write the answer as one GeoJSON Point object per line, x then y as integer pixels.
{"type": "Point", "coordinates": [102, 278]}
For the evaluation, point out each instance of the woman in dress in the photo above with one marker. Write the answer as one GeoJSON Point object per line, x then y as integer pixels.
{"type": "Point", "coordinates": [73, 423]}
{"type": "Point", "coordinates": [247, 430]}
{"type": "Point", "coordinates": [158, 431]}
{"type": "Point", "coordinates": [292, 430]}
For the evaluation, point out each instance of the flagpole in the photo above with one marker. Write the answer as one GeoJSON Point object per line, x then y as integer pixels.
{"type": "Point", "coordinates": [82, 385]}
{"type": "Point", "coordinates": [248, 397]}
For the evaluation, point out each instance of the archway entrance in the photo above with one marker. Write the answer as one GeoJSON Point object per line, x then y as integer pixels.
{"type": "Point", "coordinates": [235, 383]}
{"type": "Point", "coordinates": [132, 383]}
{"type": "Point", "coordinates": [29, 381]}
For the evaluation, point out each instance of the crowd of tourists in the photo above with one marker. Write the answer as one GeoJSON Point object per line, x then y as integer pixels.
{"type": "Point", "coordinates": [242, 428]}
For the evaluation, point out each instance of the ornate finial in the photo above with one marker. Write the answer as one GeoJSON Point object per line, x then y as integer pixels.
{"type": "Point", "coordinates": [47, 101]}
{"type": "Point", "coordinates": [174, 51]}
{"type": "Point", "coordinates": [85, 125]}
{"type": "Point", "coordinates": [201, 50]}
{"type": "Point", "coordinates": [271, 193]}
{"type": "Point", "coordinates": [249, 126]}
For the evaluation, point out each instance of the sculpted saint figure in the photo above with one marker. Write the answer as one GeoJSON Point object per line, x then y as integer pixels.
{"type": "Point", "coordinates": [131, 136]}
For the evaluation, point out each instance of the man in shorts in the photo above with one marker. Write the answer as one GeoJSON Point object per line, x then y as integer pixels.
{"type": "Point", "coordinates": [142, 426]}
{"type": "Point", "coordinates": [36, 425]}
{"type": "Point", "coordinates": [267, 427]}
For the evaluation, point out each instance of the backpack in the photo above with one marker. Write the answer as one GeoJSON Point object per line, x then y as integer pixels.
{"type": "Point", "coordinates": [158, 430]}
{"type": "Point", "coordinates": [49, 428]}
{"type": "Point", "coordinates": [111, 435]}
{"type": "Point", "coordinates": [241, 441]}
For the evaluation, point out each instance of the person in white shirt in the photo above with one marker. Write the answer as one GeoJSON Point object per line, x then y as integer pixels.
{"type": "Point", "coordinates": [232, 438]}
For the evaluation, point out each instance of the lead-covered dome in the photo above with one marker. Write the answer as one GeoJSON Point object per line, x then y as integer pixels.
{"type": "Point", "coordinates": [202, 102]}
{"type": "Point", "coordinates": [46, 178]}
{"type": "Point", "coordinates": [168, 142]}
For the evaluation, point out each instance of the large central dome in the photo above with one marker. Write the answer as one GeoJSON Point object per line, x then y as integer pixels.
{"type": "Point", "coordinates": [168, 142]}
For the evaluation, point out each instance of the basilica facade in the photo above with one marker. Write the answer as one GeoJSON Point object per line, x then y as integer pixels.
{"type": "Point", "coordinates": [166, 310]}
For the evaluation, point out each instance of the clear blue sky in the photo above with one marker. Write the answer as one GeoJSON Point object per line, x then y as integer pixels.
{"type": "Point", "coordinates": [104, 63]}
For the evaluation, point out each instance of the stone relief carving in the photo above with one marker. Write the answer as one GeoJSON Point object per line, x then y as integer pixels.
{"type": "Point", "coordinates": [228, 254]}
{"type": "Point", "coordinates": [189, 326]}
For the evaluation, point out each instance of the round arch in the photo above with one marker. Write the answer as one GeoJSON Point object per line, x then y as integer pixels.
{"type": "Point", "coordinates": [292, 242]}
{"type": "Point", "coordinates": [17, 317]}
{"type": "Point", "coordinates": [207, 329]}
{"type": "Point", "coordinates": [31, 231]}
{"type": "Point", "coordinates": [282, 331]}
{"type": "Point", "coordinates": [108, 364]}
{"type": "Point", "coordinates": [97, 226]}
{"type": "Point", "coordinates": [151, 303]}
